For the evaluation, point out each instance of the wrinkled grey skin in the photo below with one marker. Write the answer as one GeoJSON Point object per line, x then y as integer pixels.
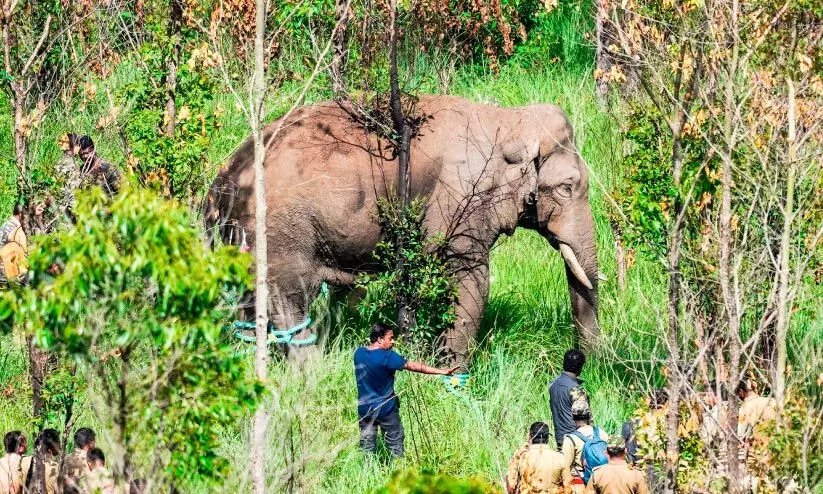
{"type": "Point", "coordinates": [484, 171]}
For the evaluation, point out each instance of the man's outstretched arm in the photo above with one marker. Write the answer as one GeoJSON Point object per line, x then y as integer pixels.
{"type": "Point", "coordinates": [427, 369]}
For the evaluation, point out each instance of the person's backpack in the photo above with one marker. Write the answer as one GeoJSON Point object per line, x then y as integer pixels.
{"type": "Point", "coordinates": [12, 254]}
{"type": "Point", "coordinates": [593, 454]}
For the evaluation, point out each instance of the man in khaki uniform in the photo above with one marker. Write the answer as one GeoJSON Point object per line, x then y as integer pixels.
{"type": "Point", "coordinates": [754, 410]}
{"type": "Point", "coordinates": [617, 476]}
{"type": "Point", "coordinates": [100, 480]}
{"type": "Point", "coordinates": [14, 466]}
{"type": "Point", "coordinates": [537, 468]}
{"type": "Point", "coordinates": [76, 465]}
{"type": "Point", "coordinates": [573, 444]}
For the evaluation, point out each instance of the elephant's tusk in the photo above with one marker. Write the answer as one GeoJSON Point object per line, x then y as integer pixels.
{"type": "Point", "coordinates": [574, 265]}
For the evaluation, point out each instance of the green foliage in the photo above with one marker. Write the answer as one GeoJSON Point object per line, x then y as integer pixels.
{"type": "Point", "coordinates": [425, 281]}
{"type": "Point", "coordinates": [560, 35]}
{"type": "Point", "coordinates": [174, 164]}
{"type": "Point", "coordinates": [779, 446]}
{"type": "Point", "coordinates": [427, 482]}
{"type": "Point", "coordinates": [647, 195]}
{"type": "Point", "coordinates": [134, 295]}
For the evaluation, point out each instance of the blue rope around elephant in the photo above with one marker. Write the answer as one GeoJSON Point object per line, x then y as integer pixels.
{"type": "Point", "coordinates": [285, 337]}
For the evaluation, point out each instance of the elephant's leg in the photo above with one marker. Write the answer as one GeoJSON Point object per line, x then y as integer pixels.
{"type": "Point", "coordinates": [291, 297]}
{"type": "Point", "coordinates": [289, 307]}
{"type": "Point", "coordinates": [473, 290]}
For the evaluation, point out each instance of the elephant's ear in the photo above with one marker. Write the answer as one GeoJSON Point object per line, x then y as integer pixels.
{"type": "Point", "coordinates": [516, 151]}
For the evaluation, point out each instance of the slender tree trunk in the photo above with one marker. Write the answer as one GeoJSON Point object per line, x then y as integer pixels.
{"type": "Point", "coordinates": [405, 313]}
{"type": "Point", "coordinates": [341, 48]}
{"type": "Point", "coordinates": [261, 352]}
{"type": "Point", "coordinates": [19, 138]}
{"type": "Point", "coordinates": [725, 275]}
{"type": "Point", "coordinates": [619, 255]}
{"type": "Point", "coordinates": [784, 301]}
{"type": "Point", "coordinates": [175, 23]}
{"type": "Point", "coordinates": [674, 381]}
{"type": "Point", "coordinates": [38, 360]}
{"type": "Point", "coordinates": [123, 411]}
{"type": "Point", "coordinates": [600, 56]}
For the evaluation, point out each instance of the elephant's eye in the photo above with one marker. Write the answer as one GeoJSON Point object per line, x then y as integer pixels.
{"type": "Point", "coordinates": [565, 190]}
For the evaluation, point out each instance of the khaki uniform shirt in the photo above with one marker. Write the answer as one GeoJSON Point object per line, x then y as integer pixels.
{"type": "Point", "coordinates": [755, 410]}
{"type": "Point", "coordinates": [617, 478]}
{"type": "Point", "coordinates": [76, 467]}
{"type": "Point", "coordinates": [573, 448]}
{"type": "Point", "coordinates": [538, 469]}
{"type": "Point", "coordinates": [13, 471]}
{"type": "Point", "coordinates": [52, 471]}
{"type": "Point", "coordinates": [99, 481]}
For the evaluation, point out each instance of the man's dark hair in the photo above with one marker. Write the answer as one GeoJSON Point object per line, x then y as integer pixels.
{"type": "Point", "coordinates": [539, 433]}
{"type": "Point", "coordinates": [743, 387]}
{"type": "Point", "coordinates": [85, 143]}
{"type": "Point", "coordinates": [50, 439]}
{"type": "Point", "coordinates": [660, 398]}
{"type": "Point", "coordinates": [616, 450]}
{"type": "Point", "coordinates": [573, 361]}
{"type": "Point", "coordinates": [378, 331]}
{"type": "Point", "coordinates": [12, 441]}
{"type": "Point", "coordinates": [96, 454]}
{"type": "Point", "coordinates": [18, 210]}
{"type": "Point", "coordinates": [83, 437]}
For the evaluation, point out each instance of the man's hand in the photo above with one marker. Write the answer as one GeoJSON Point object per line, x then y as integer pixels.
{"type": "Point", "coordinates": [450, 371]}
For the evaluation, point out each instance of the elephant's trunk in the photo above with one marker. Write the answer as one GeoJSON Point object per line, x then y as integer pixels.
{"type": "Point", "coordinates": [580, 257]}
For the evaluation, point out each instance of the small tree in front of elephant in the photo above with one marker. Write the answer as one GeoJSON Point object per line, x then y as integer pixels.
{"type": "Point", "coordinates": [136, 299]}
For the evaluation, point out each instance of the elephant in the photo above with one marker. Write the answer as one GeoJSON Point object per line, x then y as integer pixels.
{"type": "Point", "coordinates": [482, 171]}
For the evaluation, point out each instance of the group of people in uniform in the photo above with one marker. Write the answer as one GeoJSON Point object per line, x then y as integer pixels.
{"type": "Point", "coordinates": [83, 471]}
{"type": "Point", "coordinates": [588, 460]}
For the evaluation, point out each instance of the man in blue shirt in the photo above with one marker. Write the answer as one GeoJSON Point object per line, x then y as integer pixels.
{"type": "Point", "coordinates": [377, 404]}
{"type": "Point", "coordinates": [564, 391]}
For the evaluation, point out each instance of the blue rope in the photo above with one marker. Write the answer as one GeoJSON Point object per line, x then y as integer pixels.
{"type": "Point", "coordinates": [277, 336]}
{"type": "Point", "coordinates": [285, 337]}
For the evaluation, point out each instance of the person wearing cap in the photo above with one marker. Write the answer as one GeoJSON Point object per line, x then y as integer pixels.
{"type": "Point", "coordinates": [565, 390]}
{"type": "Point", "coordinates": [617, 476]}
{"type": "Point", "coordinates": [537, 468]}
{"type": "Point", "coordinates": [573, 443]}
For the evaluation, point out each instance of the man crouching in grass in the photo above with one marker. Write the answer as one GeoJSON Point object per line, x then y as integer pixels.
{"type": "Point", "coordinates": [377, 403]}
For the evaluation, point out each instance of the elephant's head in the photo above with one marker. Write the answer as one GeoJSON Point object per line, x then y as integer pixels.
{"type": "Point", "coordinates": [558, 207]}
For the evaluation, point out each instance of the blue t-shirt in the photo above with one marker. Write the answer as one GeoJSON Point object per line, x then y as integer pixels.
{"type": "Point", "coordinates": [374, 371]}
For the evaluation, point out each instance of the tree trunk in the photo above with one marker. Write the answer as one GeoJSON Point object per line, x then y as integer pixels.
{"type": "Point", "coordinates": [341, 48]}
{"type": "Point", "coordinates": [175, 22]}
{"type": "Point", "coordinates": [725, 275]}
{"type": "Point", "coordinates": [123, 412]}
{"type": "Point", "coordinates": [601, 59]}
{"type": "Point", "coordinates": [19, 138]}
{"type": "Point", "coordinates": [405, 311]}
{"type": "Point", "coordinates": [784, 301]}
{"type": "Point", "coordinates": [619, 255]}
{"type": "Point", "coordinates": [37, 484]}
{"type": "Point", "coordinates": [261, 353]}
{"type": "Point", "coordinates": [674, 378]}
{"type": "Point", "coordinates": [37, 372]}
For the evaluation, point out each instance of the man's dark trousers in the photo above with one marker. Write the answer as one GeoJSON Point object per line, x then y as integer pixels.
{"type": "Point", "coordinates": [392, 430]}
